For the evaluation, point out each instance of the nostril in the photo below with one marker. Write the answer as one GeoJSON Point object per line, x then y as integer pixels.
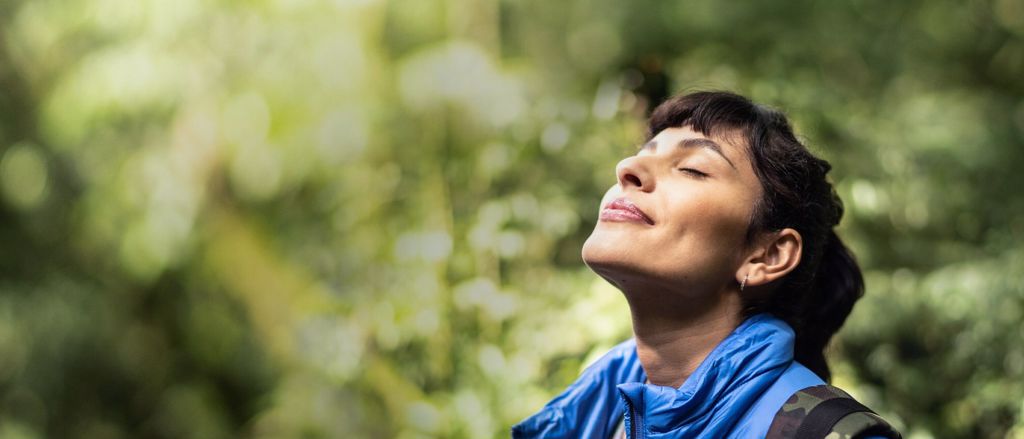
{"type": "Point", "coordinates": [632, 179]}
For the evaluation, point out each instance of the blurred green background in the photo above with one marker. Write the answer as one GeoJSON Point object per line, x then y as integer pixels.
{"type": "Point", "coordinates": [362, 218]}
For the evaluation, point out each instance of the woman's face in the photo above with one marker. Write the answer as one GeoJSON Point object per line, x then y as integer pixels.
{"type": "Point", "coordinates": [678, 217]}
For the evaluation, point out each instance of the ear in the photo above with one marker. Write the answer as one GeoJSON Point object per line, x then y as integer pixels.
{"type": "Point", "coordinates": [775, 255]}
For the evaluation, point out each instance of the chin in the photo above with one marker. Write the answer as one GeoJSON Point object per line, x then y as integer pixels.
{"type": "Point", "coordinates": [622, 258]}
{"type": "Point", "coordinates": [606, 256]}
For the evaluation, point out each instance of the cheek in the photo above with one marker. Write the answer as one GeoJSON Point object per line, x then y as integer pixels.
{"type": "Point", "coordinates": [720, 220]}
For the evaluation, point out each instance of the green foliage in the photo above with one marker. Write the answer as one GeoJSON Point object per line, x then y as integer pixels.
{"type": "Point", "coordinates": [362, 218]}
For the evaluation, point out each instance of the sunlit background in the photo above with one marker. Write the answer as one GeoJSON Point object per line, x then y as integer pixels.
{"type": "Point", "coordinates": [362, 219]}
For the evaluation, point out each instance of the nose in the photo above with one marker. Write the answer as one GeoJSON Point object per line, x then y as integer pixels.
{"type": "Point", "coordinates": [633, 173]}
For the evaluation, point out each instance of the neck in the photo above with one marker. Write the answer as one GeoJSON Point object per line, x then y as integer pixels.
{"type": "Point", "coordinates": [672, 341]}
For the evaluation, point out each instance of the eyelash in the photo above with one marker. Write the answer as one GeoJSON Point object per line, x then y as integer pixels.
{"type": "Point", "coordinates": [694, 172]}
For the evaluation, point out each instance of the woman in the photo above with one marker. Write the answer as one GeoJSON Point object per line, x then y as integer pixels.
{"type": "Point", "coordinates": [720, 235]}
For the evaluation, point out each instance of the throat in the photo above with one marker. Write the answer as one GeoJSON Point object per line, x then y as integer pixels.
{"type": "Point", "coordinates": [670, 351]}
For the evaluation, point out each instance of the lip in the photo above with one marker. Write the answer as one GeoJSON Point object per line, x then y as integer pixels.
{"type": "Point", "coordinates": [621, 209]}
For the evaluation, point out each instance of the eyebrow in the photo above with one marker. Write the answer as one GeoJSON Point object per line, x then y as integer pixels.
{"type": "Point", "coordinates": [695, 143]}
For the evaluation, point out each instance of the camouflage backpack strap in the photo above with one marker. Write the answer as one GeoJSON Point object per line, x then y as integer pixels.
{"type": "Point", "coordinates": [826, 412]}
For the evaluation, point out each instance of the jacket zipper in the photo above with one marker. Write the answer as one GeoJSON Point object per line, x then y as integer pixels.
{"type": "Point", "coordinates": [632, 429]}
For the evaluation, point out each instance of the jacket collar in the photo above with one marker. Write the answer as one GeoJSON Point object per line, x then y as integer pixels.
{"type": "Point", "coordinates": [708, 404]}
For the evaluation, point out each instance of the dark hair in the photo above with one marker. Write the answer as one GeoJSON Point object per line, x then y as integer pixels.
{"type": "Point", "coordinates": [819, 293]}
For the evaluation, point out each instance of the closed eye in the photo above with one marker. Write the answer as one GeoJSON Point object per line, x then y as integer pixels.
{"type": "Point", "coordinates": [694, 172]}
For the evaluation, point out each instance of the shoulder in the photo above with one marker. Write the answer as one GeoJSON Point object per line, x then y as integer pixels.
{"type": "Point", "coordinates": [591, 405]}
{"type": "Point", "coordinates": [618, 365]}
{"type": "Point", "coordinates": [756, 421]}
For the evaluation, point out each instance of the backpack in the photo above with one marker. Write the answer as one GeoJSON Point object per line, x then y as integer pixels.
{"type": "Point", "coordinates": [825, 411]}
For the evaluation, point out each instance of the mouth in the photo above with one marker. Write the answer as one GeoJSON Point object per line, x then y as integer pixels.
{"type": "Point", "coordinates": [621, 209]}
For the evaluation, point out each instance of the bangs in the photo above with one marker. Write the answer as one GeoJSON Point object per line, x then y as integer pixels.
{"type": "Point", "coordinates": [713, 114]}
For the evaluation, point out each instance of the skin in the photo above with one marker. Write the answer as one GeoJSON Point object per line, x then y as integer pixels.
{"type": "Point", "coordinates": [681, 275]}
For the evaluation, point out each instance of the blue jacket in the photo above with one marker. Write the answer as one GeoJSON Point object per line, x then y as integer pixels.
{"type": "Point", "coordinates": [734, 393]}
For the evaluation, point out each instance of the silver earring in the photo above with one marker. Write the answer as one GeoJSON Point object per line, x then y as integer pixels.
{"type": "Point", "coordinates": [744, 283]}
